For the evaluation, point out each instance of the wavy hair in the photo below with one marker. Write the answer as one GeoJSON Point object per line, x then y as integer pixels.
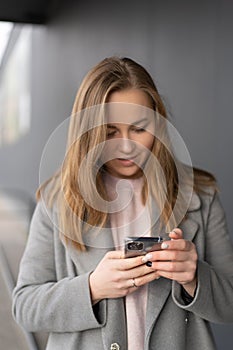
{"type": "Point", "coordinates": [110, 75]}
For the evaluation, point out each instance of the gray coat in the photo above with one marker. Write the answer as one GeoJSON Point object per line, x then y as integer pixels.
{"type": "Point", "coordinates": [52, 292]}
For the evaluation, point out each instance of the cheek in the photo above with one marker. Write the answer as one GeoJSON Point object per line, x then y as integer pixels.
{"type": "Point", "coordinates": [149, 142]}
{"type": "Point", "coordinates": [108, 152]}
{"type": "Point", "coordinates": [110, 165]}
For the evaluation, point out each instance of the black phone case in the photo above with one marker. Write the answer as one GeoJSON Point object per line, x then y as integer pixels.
{"type": "Point", "coordinates": [136, 246]}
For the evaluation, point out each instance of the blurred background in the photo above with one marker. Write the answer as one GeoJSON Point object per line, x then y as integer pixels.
{"type": "Point", "coordinates": [47, 47]}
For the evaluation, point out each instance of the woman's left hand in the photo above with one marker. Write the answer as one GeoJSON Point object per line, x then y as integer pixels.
{"type": "Point", "coordinates": [177, 260]}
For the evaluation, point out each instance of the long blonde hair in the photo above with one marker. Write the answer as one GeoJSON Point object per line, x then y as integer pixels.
{"type": "Point", "coordinates": [111, 74]}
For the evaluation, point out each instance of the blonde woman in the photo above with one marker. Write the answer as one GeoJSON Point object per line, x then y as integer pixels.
{"type": "Point", "coordinates": [120, 178]}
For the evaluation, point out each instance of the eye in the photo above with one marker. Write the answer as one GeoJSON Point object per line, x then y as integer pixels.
{"type": "Point", "coordinates": [138, 130]}
{"type": "Point", "coordinates": [111, 132]}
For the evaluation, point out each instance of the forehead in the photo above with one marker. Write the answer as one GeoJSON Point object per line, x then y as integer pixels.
{"type": "Point", "coordinates": [127, 113]}
{"type": "Point", "coordinates": [129, 106]}
{"type": "Point", "coordinates": [134, 96]}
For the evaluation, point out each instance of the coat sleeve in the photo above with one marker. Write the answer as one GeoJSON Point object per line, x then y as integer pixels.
{"type": "Point", "coordinates": [213, 300]}
{"type": "Point", "coordinates": [40, 301]}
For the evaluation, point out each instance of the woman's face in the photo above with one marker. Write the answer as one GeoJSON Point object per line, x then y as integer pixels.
{"type": "Point", "coordinates": [129, 141]}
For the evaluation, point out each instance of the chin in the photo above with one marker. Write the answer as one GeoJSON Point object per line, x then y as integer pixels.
{"type": "Point", "coordinates": [130, 174]}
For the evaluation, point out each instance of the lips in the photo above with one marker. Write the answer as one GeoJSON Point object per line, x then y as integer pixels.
{"type": "Point", "coordinates": [125, 161]}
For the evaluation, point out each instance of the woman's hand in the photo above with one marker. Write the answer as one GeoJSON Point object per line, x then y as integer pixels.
{"type": "Point", "coordinates": [177, 261]}
{"type": "Point", "coordinates": [115, 276]}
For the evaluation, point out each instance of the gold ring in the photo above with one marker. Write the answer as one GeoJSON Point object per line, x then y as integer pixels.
{"type": "Point", "coordinates": [134, 284]}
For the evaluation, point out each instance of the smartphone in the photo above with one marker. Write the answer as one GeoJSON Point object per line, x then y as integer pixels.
{"type": "Point", "coordinates": [136, 246]}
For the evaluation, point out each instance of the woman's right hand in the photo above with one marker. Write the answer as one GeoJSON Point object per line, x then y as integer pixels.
{"type": "Point", "coordinates": [115, 276]}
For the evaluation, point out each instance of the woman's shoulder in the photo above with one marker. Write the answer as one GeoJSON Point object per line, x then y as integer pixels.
{"type": "Point", "coordinates": [204, 189]}
{"type": "Point", "coordinates": [49, 192]}
{"type": "Point", "coordinates": [204, 182]}
{"type": "Point", "coordinates": [207, 191]}
{"type": "Point", "coordinates": [46, 206]}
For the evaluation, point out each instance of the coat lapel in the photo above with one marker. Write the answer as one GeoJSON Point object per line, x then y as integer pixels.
{"type": "Point", "coordinates": [159, 290]}
{"type": "Point", "coordinates": [189, 225]}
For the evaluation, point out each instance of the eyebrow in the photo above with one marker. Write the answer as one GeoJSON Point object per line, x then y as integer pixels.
{"type": "Point", "coordinates": [134, 123]}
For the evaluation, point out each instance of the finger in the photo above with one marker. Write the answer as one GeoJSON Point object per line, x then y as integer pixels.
{"type": "Point", "coordinates": [179, 244]}
{"type": "Point", "coordinates": [176, 233]}
{"type": "Point", "coordinates": [139, 271]}
{"type": "Point", "coordinates": [124, 263]}
{"type": "Point", "coordinates": [140, 281]}
{"type": "Point", "coordinates": [168, 255]}
{"type": "Point", "coordinates": [136, 273]}
{"type": "Point", "coordinates": [114, 254]}
{"type": "Point", "coordinates": [174, 266]}
{"type": "Point", "coordinates": [135, 281]}
{"type": "Point", "coordinates": [131, 283]}
{"type": "Point", "coordinates": [178, 252]}
{"type": "Point", "coordinates": [118, 254]}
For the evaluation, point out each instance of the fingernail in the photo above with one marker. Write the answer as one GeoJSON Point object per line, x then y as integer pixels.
{"type": "Point", "coordinates": [164, 245]}
{"type": "Point", "coordinates": [149, 263]}
{"type": "Point", "coordinates": [173, 231]}
{"type": "Point", "coordinates": [146, 258]}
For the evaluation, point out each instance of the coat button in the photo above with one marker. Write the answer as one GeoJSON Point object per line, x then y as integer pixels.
{"type": "Point", "coordinates": [115, 346]}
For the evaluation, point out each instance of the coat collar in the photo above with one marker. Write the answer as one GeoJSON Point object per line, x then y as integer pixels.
{"type": "Point", "coordinates": [195, 202]}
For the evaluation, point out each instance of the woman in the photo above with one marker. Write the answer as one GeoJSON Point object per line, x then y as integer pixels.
{"type": "Point", "coordinates": [120, 178]}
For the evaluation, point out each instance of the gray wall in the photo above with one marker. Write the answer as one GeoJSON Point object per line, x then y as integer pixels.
{"type": "Point", "coordinates": [186, 46]}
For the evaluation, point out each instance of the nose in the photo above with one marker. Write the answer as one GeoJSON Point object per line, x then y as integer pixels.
{"type": "Point", "coordinates": [126, 146]}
